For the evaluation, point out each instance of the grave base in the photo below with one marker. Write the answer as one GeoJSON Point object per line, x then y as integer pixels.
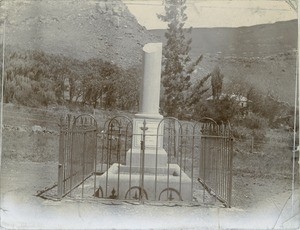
{"type": "Point", "coordinates": [161, 184]}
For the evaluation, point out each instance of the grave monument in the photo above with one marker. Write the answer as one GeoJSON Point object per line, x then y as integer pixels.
{"type": "Point", "coordinates": [147, 172]}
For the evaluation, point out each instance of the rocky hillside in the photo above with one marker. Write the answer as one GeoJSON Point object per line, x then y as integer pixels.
{"type": "Point", "coordinates": [80, 29]}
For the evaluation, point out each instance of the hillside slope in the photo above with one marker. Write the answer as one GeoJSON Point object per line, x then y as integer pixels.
{"type": "Point", "coordinates": [273, 74]}
{"type": "Point", "coordinates": [262, 55]}
{"type": "Point", "coordinates": [253, 41]}
{"type": "Point", "coordinates": [80, 29]}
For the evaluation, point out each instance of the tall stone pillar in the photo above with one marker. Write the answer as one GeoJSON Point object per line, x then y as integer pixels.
{"type": "Point", "coordinates": [150, 90]}
{"type": "Point", "coordinates": [149, 112]}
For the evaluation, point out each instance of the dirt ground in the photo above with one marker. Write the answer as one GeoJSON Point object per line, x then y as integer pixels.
{"type": "Point", "coordinates": [261, 180]}
{"type": "Point", "coordinates": [21, 209]}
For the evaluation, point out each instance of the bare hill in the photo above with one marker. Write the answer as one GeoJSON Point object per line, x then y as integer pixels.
{"type": "Point", "coordinates": [80, 29]}
{"type": "Point", "coordinates": [253, 41]}
{"type": "Point", "coordinates": [263, 55]}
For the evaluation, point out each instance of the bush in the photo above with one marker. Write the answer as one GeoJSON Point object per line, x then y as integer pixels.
{"type": "Point", "coordinates": [251, 126]}
{"type": "Point", "coordinates": [254, 121]}
{"type": "Point", "coordinates": [222, 111]}
{"type": "Point", "coordinates": [244, 133]}
{"type": "Point", "coordinates": [25, 91]}
{"type": "Point", "coordinates": [34, 78]}
{"type": "Point", "coordinates": [241, 133]}
{"type": "Point", "coordinates": [259, 135]}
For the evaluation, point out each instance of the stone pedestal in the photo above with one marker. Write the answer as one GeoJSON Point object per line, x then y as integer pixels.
{"type": "Point", "coordinates": [155, 155]}
{"type": "Point", "coordinates": [165, 184]}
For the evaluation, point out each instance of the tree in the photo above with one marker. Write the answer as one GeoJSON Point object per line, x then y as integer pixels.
{"type": "Point", "coordinates": [128, 97]}
{"type": "Point", "coordinates": [177, 64]}
{"type": "Point", "coordinates": [100, 83]}
{"type": "Point", "coordinates": [220, 110]}
{"type": "Point", "coordinates": [194, 101]}
{"type": "Point", "coordinates": [216, 83]}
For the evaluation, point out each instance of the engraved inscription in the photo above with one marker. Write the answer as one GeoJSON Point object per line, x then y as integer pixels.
{"type": "Point", "coordinates": [153, 135]}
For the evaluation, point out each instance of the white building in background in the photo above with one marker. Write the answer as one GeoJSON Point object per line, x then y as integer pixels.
{"type": "Point", "coordinates": [242, 101]}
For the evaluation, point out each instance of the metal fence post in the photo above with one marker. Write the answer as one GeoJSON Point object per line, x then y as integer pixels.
{"type": "Point", "coordinates": [61, 159]}
{"type": "Point", "coordinates": [142, 160]}
{"type": "Point", "coordinates": [252, 144]}
{"type": "Point", "coordinates": [230, 168]}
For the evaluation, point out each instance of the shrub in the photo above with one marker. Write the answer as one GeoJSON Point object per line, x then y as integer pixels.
{"type": "Point", "coordinates": [25, 91]}
{"type": "Point", "coordinates": [222, 111]}
{"type": "Point", "coordinates": [254, 121]}
{"type": "Point", "coordinates": [251, 126]}
{"type": "Point", "coordinates": [244, 133]}
{"type": "Point", "coordinates": [241, 132]}
{"type": "Point", "coordinates": [34, 78]}
{"type": "Point", "coordinates": [259, 135]}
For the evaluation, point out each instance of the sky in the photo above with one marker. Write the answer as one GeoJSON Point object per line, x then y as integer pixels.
{"type": "Point", "coordinates": [211, 13]}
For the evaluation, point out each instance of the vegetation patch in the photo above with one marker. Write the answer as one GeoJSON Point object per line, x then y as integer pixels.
{"type": "Point", "coordinates": [34, 78]}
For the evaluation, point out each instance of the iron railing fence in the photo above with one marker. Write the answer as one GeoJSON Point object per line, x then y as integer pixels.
{"type": "Point", "coordinates": [216, 159]}
{"type": "Point", "coordinates": [99, 162]}
{"type": "Point", "coordinates": [77, 152]}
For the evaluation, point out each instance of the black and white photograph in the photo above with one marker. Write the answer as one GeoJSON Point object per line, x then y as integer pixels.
{"type": "Point", "coordinates": [158, 114]}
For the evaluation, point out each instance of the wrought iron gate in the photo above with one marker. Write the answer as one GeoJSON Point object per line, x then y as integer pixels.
{"type": "Point", "coordinates": [91, 157]}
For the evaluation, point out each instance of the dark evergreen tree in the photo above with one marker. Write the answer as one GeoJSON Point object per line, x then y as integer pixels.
{"type": "Point", "coordinates": [216, 83]}
{"type": "Point", "coordinates": [177, 64]}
